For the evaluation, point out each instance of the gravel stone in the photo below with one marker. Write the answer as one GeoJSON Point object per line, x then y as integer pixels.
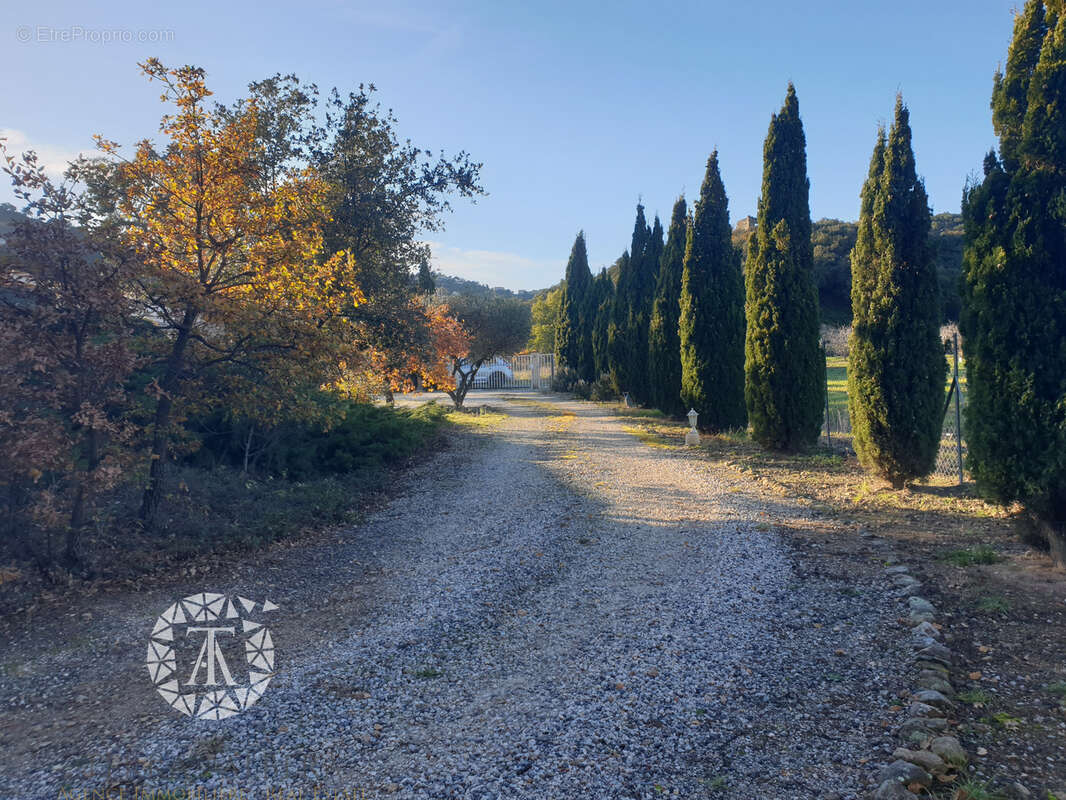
{"type": "Point", "coordinates": [892, 790]}
{"type": "Point", "coordinates": [949, 749]}
{"type": "Point", "coordinates": [918, 729]}
{"type": "Point", "coordinates": [933, 698]}
{"type": "Point", "coordinates": [906, 773]}
{"type": "Point", "coordinates": [926, 630]}
{"type": "Point", "coordinates": [936, 652]}
{"type": "Point", "coordinates": [930, 762]}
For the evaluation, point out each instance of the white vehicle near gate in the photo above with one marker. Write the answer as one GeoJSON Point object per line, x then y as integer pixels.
{"type": "Point", "coordinates": [495, 373]}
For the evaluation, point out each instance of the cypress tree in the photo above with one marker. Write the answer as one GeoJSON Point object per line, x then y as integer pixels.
{"type": "Point", "coordinates": [783, 363]}
{"type": "Point", "coordinates": [616, 327]}
{"type": "Point", "coordinates": [645, 276]}
{"type": "Point", "coordinates": [896, 363]}
{"type": "Point", "coordinates": [664, 343]}
{"type": "Point", "coordinates": [712, 312]}
{"type": "Point", "coordinates": [1014, 283]}
{"type": "Point", "coordinates": [603, 294]}
{"type": "Point", "coordinates": [573, 341]}
{"type": "Point", "coordinates": [619, 333]}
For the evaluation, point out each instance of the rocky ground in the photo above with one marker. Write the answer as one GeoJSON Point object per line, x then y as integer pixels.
{"type": "Point", "coordinates": [552, 607]}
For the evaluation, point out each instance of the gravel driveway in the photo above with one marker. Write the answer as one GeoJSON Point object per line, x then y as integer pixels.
{"type": "Point", "coordinates": [548, 609]}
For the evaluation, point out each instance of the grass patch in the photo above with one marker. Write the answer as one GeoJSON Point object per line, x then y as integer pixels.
{"type": "Point", "coordinates": [551, 409]}
{"type": "Point", "coordinates": [975, 697]}
{"type": "Point", "coordinates": [993, 604]}
{"type": "Point", "coordinates": [1002, 720]}
{"type": "Point", "coordinates": [976, 790]}
{"type": "Point", "coordinates": [1058, 688]}
{"type": "Point", "coordinates": [650, 438]}
{"type": "Point", "coordinates": [715, 783]}
{"type": "Point", "coordinates": [639, 413]}
{"type": "Point", "coordinates": [482, 420]}
{"type": "Point", "coordinates": [971, 557]}
{"type": "Point", "coordinates": [734, 436]}
{"type": "Point", "coordinates": [824, 459]}
{"type": "Point", "coordinates": [836, 373]}
{"type": "Point", "coordinates": [428, 673]}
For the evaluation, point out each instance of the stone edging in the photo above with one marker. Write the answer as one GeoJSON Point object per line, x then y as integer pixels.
{"type": "Point", "coordinates": [929, 753]}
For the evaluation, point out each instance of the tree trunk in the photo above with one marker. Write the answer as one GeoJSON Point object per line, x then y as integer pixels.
{"type": "Point", "coordinates": [74, 529]}
{"type": "Point", "coordinates": [462, 384]}
{"type": "Point", "coordinates": [153, 491]}
{"type": "Point", "coordinates": [1041, 532]}
{"type": "Point", "coordinates": [248, 447]}
{"type": "Point", "coordinates": [82, 498]}
{"type": "Point", "coordinates": [1057, 541]}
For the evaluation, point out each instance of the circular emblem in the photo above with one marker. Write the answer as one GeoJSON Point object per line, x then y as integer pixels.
{"type": "Point", "coordinates": [210, 656]}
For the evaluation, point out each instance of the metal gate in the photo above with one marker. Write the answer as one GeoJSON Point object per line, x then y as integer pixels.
{"type": "Point", "coordinates": [531, 371]}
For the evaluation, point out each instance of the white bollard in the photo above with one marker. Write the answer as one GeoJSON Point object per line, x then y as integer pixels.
{"type": "Point", "coordinates": [692, 436]}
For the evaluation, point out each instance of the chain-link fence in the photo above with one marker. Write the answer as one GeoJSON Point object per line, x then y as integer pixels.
{"type": "Point", "coordinates": [951, 457]}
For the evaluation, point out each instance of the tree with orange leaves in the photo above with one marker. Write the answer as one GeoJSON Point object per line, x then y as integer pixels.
{"type": "Point", "coordinates": [424, 356]}
{"type": "Point", "coordinates": [231, 268]}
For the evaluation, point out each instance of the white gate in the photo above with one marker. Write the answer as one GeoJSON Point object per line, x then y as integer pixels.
{"type": "Point", "coordinates": [532, 371]}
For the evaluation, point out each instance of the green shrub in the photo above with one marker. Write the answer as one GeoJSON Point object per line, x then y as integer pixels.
{"type": "Point", "coordinates": [968, 558]}
{"type": "Point", "coordinates": [368, 437]}
{"type": "Point", "coordinates": [567, 380]}
{"type": "Point", "coordinates": [602, 389]}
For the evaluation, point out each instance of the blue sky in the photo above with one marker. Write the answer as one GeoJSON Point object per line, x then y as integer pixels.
{"type": "Point", "coordinates": [576, 109]}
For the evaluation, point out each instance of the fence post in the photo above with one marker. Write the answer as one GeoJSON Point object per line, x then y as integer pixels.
{"type": "Point", "coordinates": [828, 435]}
{"type": "Point", "coordinates": [958, 410]}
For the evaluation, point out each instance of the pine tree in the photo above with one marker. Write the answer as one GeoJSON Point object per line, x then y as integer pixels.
{"type": "Point", "coordinates": [896, 363]}
{"type": "Point", "coordinates": [1014, 283]}
{"type": "Point", "coordinates": [603, 293]}
{"type": "Point", "coordinates": [664, 343]}
{"type": "Point", "coordinates": [712, 312]}
{"type": "Point", "coordinates": [784, 366]}
{"type": "Point", "coordinates": [619, 333]}
{"type": "Point", "coordinates": [645, 277]}
{"type": "Point", "coordinates": [573, 337]}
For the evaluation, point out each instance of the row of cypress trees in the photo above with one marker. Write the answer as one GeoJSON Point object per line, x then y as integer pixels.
{"type": "Point", "coordinates": [752, 353]}
{"type": "Point", "coordinates": [687, 327]}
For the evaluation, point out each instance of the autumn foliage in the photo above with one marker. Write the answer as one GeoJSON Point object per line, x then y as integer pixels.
{"type": "Point", "coordinates": [219, 273]}
{"type": "Point", "coordinates": [65, 353]}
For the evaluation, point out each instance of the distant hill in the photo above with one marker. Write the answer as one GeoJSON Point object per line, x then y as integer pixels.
{"type": "Point", "coordinates": [9, 215]}
{"type": "Point", "coordinates": [454, 285]}
{"type": "Point", "coordinates": [833, 239]}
